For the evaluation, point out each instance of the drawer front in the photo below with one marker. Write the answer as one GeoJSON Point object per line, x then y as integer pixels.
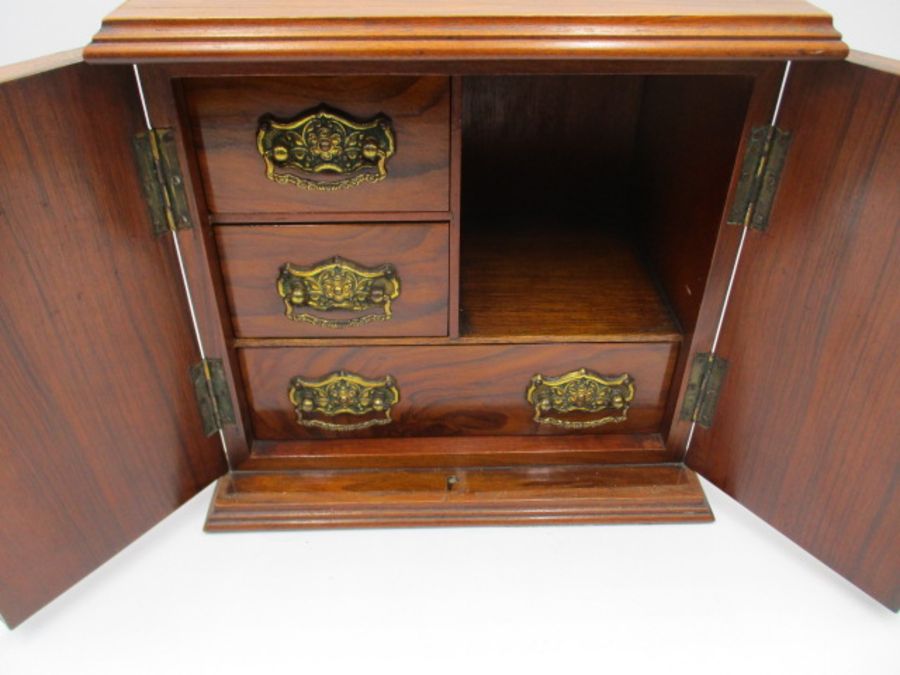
{"type": "Point", "coordinates": [298, 393]}
{"type": "Point", "coordinates": [337, 280]}
{"type": "Point", "coordinates": [276, 145]}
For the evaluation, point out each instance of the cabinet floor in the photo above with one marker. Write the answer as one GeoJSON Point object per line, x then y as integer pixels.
{"type": "Point", "coordinates": [732, 596]}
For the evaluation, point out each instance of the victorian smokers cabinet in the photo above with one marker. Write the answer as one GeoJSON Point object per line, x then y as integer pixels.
{"type": "Point", "coordinates": [383, 263]}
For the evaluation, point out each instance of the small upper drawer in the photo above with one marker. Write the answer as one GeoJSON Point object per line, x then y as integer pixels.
{"type": "Point", "coordinates": [337, 280]}
{"type": "Point", "coordinates": [296, 145]}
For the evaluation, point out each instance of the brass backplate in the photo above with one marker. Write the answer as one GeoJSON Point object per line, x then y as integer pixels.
{"type": "Point", "coordinates": [580, 391]}
{"type": "Point", "coordinates": [338, 284]}
{"type": "Point", "coordinates": [324, 149]}
{"type": "Point", "coordinates": [343, 393]}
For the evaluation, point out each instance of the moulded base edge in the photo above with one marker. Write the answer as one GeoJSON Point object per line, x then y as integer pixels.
{"type": "Point", "coordinates": [258, 500]}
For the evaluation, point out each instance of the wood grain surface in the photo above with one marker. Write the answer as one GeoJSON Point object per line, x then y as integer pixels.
{"type": "Point", "coordinates": [396, 30]}
{"type": "Point", "coordinates": [225, 115]}
{"type": "Point", "coordinates": [100, 437]}
{"type": "Point", "coordinates": [462, 496]}
{"type": "Point", "coordinates": [688, 137]}
{"type": "Point", "coordinates": [700, 336]}
{"type": "Point", "coordinates": [547, 145]}
{"type": "Point", "coordinates": [444, 391]}
{"type": "Point", "coordinates": [806, 432]}
{"type": "Point", "coordinates": [456, 451]}
{"type": "Point", "coordinates": [252, 256]}
{"type": "Point", "coordinates": [199, 252]}
{"type": "Point", "coordinates": [687, 140]}
{"type": "Point", "coordinates": [572, 277]}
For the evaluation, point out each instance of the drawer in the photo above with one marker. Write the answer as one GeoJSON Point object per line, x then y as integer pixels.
{"type": "Point", "coordinates": [293, 145]}
{"type": "Point", "coordinates": [431, 390]}
{"type": "Point", "coordinates": [336, 280]}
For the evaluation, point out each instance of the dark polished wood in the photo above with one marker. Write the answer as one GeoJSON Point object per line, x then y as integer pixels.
{"type": "Point", "coordinates": [200, 254]}
{"type": "Point", "coordinates": [225, 114]}
{"type": "Point", "coordinates": [688, 137]}
{"type": "Point", "coordinates": [41, 64]}
{"type": "Point", "coordinates": [439, 341]}
{"type": "Point", "coordinates": [699, 336]}
{"type": "Point", "coordinates": [569, 277]}
{"type": "Point", "coordinates": [456, 112]}
{"type": "Point", "coordinates": [252, 256]}
{"type": "Point", "coordinates": [532, 66]}
{"type": "Point", "coordinates": [806, 433]}
{"type": "Point", "coordinates": [687, 140]}
{"type": "Point", "coordinates": [462, 389]}
{"type": "Point", "coordinates": [547, 145]}
{"type": "Point", "coordinates": [450, 451]}
{"type": "Point", "coordinates": [468, 30]}
{"type": "Point", "coordinates": [298, 218]}
{"type": "Point", "coordinates": [100, 435]}
{"type": "Point", "coordinates": [460, 496]}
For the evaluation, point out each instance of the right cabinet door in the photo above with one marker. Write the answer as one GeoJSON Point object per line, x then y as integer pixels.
{"type": "Point", "coordinates": [807, 433]}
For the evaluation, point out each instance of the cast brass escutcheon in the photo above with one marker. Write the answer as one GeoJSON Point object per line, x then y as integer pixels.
{"type": "Point", "coordinates": [580, 391]}
{"type": "Point", "coordinates": [343, 393]}
{"type": "Point", "coordinates": [324, 149]}
{"type": "Point", "coordinates": [338, 284]}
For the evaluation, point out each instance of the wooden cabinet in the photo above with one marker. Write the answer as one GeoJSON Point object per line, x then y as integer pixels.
{"type": "Point", "coordinates": [379, 265]}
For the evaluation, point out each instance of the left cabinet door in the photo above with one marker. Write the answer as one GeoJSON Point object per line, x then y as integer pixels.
{"type": "Point", "coordinates": [100, 434]}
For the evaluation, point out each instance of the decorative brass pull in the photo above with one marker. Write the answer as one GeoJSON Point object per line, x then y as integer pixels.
{"type": "Point", "coordinates": [338, 284]}
{"type": "Point", "coordinates": [580, 391]}
{"type": "Point", "coordinates": [343, 393]}
{"type": "Point", "coordinates": [323, 149]}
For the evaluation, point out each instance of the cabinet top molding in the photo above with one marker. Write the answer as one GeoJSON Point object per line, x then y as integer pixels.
{"type": "Point", "coordinates": [442, 30]}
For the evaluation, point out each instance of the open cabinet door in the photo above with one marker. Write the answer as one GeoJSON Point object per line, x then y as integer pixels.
{"type": "Point", "coordinates": [100, 434]}
{"type": "Point", "coordinates": [807, 430]}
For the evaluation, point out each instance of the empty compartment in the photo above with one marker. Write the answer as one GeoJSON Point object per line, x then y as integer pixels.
{"type": "Point", "coordinates": [591, 204]}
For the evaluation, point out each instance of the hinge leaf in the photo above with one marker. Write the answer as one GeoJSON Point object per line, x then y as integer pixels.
{"type": "Point", "coordinates": [760, 173]}
{"type": "Point", "coordinates": [213, 395]}
{"type": "Point", "coordinates": [161, 180]}
{"type": "Point", "coordinates": [704, 384]}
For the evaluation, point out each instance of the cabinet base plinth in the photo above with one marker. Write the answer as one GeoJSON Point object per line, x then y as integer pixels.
{"type": "Point", "coordinates": [256, 500]}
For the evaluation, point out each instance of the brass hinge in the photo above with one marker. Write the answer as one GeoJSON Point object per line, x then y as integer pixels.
{"type": "Point", "coordinates": [161, 179]}
{"type": "Point", "coordinates": [760, 173]}
{"type": "Point", "coordinates": [704, 384]}
{"type": "Point", "coordinates": [213, 395]}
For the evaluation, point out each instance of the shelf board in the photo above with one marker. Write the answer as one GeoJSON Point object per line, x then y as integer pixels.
{"type": "Point", "coordinates": [438, 452]}
{"type": "Point", "coordinates": [547, 277]}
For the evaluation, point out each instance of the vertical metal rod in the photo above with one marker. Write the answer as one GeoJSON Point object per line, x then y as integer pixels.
{"type": "Point", "coordinates": [737, 256]}
{"type": "Point", "coordinates": [140, 88]}
{"type": "Point", "coordinates": [180, 258]}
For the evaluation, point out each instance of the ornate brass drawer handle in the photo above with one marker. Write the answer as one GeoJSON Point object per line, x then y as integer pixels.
{"type": "Point", "coordinates": [338, 284]}
{"type": "Point", "coordinates": [580, 391]}
{"type": "Point", "coordinates": [343, 393]}
{"type": "Point", "coordinates": [324, 149]}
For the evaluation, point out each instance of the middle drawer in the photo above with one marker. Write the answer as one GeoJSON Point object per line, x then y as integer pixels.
{"type": "Point", "coordinates": [371, 280]}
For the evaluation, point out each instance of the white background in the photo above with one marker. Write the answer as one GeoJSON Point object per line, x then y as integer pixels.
{"type": "Point", "coordinates": [731, 597]}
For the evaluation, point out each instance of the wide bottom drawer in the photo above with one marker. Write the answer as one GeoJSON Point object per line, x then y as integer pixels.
{"type": "Point", "coordinates": [446, 390]}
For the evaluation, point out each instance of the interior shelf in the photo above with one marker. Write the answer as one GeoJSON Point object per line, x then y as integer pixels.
{"type": "Point", "coordinates": [549, 277]}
